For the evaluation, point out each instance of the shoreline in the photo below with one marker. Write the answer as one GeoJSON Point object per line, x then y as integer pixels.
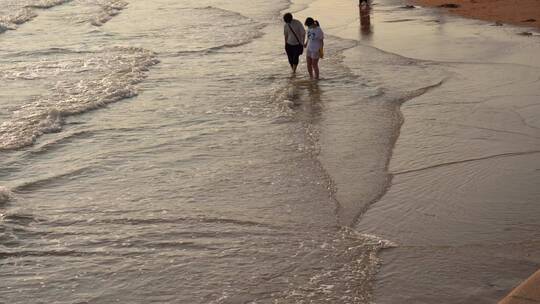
{"type": "Point", "coordinates": [526, 14]}
{"type": "Point", "coordinates": [526, 292]}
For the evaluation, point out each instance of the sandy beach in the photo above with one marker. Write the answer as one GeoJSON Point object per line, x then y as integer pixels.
{"type": "Point", "coordinates": [518, 12]}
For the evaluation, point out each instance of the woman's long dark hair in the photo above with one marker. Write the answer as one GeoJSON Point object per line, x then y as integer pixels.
{"type": "Point", "coordinates": [310, 22]}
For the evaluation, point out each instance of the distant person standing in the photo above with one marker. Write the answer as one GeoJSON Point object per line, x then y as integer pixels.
{"type": "Point", "coordinates": [294, 39]}
{"type": "Point", "coordinates": [365, 19]}
{"type": "Point", "coordinates": [314, 45]}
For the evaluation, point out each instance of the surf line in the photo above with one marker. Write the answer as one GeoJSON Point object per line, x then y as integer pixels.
{"type": "Point", "coordinates": [387, 184]}
{"type": "Point", "coordinates": [510, 154]}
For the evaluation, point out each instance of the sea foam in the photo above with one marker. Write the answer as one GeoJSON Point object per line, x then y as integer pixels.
{"type": "Point", "coordinates": [107, 76]}
{"type": "Point", "coordinates": [108, 9]}
{"type": "Point", "coordinates": [11, 21]}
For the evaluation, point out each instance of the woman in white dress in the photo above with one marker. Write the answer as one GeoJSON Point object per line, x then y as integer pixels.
{"type": "Point", "coordinates": [314, 45]}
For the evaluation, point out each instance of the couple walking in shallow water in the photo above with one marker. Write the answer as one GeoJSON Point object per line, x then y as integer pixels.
{"type": "Point", "coordinates": [295, 42]}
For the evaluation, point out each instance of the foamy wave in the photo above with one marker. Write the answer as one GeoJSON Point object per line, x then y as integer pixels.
{"type": "Point", "coordinates": [109, 9]}
{"type": "Point", "coordinates": [10, 22]}
{"type": "Point", "coordinates": [345, 275]}
{"type": "Point", "coordinates": [26, 13]}
{"type": "Point", "coordinates": [22, 16]}
{"type": "Point", "coordinates": [46, 69]}
{"type": "Point", "coordinates": [374, 240]}
{"type": "Point", "coordinates": [46, 3]}
{"type": "Point", "coordinates": [112, 76]}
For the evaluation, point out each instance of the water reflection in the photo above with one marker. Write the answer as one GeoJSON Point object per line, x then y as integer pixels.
{"type": "Point", "coordinates": [307, 100]}
{"type": "Point", "coordinates": [313, 108]}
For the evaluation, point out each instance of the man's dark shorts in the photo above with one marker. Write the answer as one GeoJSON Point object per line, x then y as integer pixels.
{"type": "Point", "coordinates": [293, 53]}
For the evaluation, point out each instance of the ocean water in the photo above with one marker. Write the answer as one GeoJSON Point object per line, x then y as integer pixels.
{"type": "Point", "coordinates": [160, 151]}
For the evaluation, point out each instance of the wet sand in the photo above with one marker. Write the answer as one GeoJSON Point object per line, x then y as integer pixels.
{"type": "Point", "coordinates": [462, 199]}
{"type": "Point", "coordinates": [523, 12]}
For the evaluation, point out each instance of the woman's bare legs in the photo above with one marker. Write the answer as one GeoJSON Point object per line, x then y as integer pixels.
{"type": "Point", "coordinates": [312, 67]}
{"type": "Point", "coordinates": [309, 67]}
{"type": "Point", "coordinates": [315, 64]}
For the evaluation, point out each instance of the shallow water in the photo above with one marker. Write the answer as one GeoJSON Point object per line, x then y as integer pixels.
{"type": "Point", "coordinates": [462, 199]}
{"type": "Point", "coordinates": [160, 151]}
{"type": "Point", "coordinates": [155, 158]}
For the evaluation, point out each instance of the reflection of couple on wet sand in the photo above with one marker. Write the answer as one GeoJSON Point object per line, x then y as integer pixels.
{"type": "Point", "coordinates": [295, 42]}
{"type": "Point", "coordinates": [305, 97]}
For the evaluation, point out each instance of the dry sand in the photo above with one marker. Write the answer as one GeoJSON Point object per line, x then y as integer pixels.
{"type": "Point", "coordinates": [518, 12]}
{"type": "Point", "coordinates": [526, 293]}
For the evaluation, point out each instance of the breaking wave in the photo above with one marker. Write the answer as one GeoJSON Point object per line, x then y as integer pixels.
{"type": "Point", "coordinates": [112, 75]}
{"type": "Point", "coordinates": [344, 275]}
{"type": "Point", "coordinates": [46, 3]}
{"type": "Point", "coordinates": [21, 12]}
{"type": "Point", "coordinates": [108, 9]}
{"type": "Point", "coordinates": [12, 21]}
